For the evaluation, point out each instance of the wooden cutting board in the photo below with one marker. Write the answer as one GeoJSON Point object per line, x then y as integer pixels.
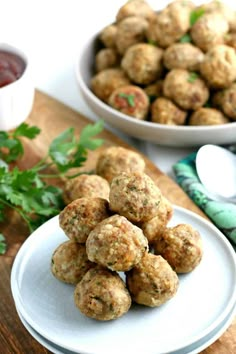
{"type": "Point", "coordinates": [53, 117]}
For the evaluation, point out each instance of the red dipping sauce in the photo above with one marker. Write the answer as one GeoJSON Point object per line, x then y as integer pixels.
{"type": "Point", "coordinates": [12, 67]}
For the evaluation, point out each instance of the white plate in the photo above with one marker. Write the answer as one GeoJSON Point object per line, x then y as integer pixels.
{"type": "Point", "coordinates": [204, 299]}
{"type": "Point", "coordinates": [192, 349]}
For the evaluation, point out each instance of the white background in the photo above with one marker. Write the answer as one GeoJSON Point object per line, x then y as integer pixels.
{"type": "Point", "coordinates": [51, 33]}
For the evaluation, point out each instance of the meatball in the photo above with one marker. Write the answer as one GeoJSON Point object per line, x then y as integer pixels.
{"type": "Point", "coordinates": [135, 196]}
{"type": "Point", "coordinates": [102, 295]}
{"type": "Point", "coordinates": [89, 186]}
{"type": "Point", "coordinates": [106, 81]}
{"type": "Point", "coordinates": [142, 63]}
{"type": "Point", "coordinates": [181, 246]}
{"type": "Point", "coordinates": [135, 8]}
{"type": "Point", "coordinates": [186, 89]}
{"type": "Point", "coordinates": [108, 36]}
{"type": "Point", "coordinates": [224, 9]}
{"type": "Point", "coordinates": [80, 217]}
{"type": "Point", "coordinates": [154, 228]}
{"type": "Point", "coordinates": [164, 111]}
{"type": "Point", "coordinates": [170, 24]}
{"type": "Point", "coordinates": [130, 100]}
{"type": "Point", "coordinates": [209, 30]}
{"type": "Point", "coordinates": [152, 282]}
{"type": "Point", "coordinates": [230, 39]}
{"type": "Point", "coordinates": [226, 100]}
{"type": "Point", "coordinates": [130, 31]}
{"type": "Point", "coordinates": [70, 262]}
{"type": "Point", "coordinates": [183, 56]}
{"type": "Point", "coordinates": [154, 90]}
{"type": "Point", "coordinates": [207, 116]}
{"type": "Point", "coordinates": [106, 58]}
{"type": "Point", "coordinates": [116, 244]}
{"type": "Point", "coordinates": [116, 159]}
{"type": "Point", "coordinates": [219, 66]}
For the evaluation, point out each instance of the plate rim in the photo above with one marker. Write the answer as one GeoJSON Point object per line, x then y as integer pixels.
{"type": "Point", "coordinates": [19, 257]}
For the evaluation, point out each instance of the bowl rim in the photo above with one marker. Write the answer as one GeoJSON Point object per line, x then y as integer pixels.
{"type": "Point", "coordinates": [15, 50]}
{"type": "Point", "coordinates": [142, 123]}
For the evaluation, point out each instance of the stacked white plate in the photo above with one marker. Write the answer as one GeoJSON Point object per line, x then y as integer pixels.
{"type": "Point", "coordinates": [200, 312]}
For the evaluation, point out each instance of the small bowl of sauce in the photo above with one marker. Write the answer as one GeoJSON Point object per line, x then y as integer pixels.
{"type": "Point", "coordinates": [16, 87]}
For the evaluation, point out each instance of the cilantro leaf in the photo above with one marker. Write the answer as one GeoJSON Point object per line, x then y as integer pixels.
{"type": "Point", "coordinates": [195, 15]}
{"type": "Point", "coordinates": [26, 191]}
{"type": "Point", "coordinates": [11, 146]}
{"type": "Point", "coordinates": [27, 131]}
{"type": "Point", "coordinates": [186, 38]}
{"type": "Point", "coordinates": [3, 246]}
{"type": "Point", "coordinates": [192, 77]}
{"type": "Point", "coordinates": [88, 133]}
{"type": "Point", "coordinates": [129, 98]}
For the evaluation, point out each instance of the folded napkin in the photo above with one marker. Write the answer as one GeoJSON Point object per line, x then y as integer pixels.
{"type": "Point", "coordinates": [222, 214]}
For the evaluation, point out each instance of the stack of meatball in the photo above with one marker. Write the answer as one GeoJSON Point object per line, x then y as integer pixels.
{"type": "Point", "coordinates": [113, 220]}
{"type": "Point", "coordinates": [176, 66]}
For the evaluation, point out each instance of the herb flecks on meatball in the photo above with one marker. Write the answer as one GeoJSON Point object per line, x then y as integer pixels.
{"type": "Point", "coordinates": [80, 217]}
{"type": "Point", "coordinates": [135, 196]}
{"type": "Point", "coordinates": [102, 295]}
{"type": "Point", "coordinates": [114, 160]}
{"type": "Point", "coordinates": [116, 243]}
{"type": "Point", "coordinates": [152, 282]}
{"type": "Point", "coordinates": [181, 246]}
{"type": "Point", "coordinates": [70, 262]}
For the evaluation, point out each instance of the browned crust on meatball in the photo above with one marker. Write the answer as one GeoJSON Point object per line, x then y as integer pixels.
{"type": "Point", "coordinates": [152, 282]}
{"type": "Point", "coordinates": [183, 56]}
{"type": "Point", "coordinates": [102, 295]}
{"type": "Point", "coordinates": [116, 244]}
{"type": "Point", "coordinates": [130, 30]}
{"type": "Point", "coordinates": [135, 196]}
{"type": "Point", "coordinates": [207, 116]}
{"type": "Point", "coordinates": [209, 30]}
{"type": "Point", "coordinates": [70, 262]}
{"type": "Point", "coordinates": [219, 66]}
{"type": "Point", "coordinates": [164, 111]}
{"type": "Point", "coordinates": [142, 63]}
{"type": "Point", "coordinates": [170, 24]}
{"type": "Point", "coordinates": [226, 100]}
{"type": "Point", "coordinates": [88, 186]}
{"type": "Point", "coordinates": [80, 217]}
{"type": "Point", "coordinates": [108, 36]}
{"type": "Point", "coordinates": [187, 89]}
{"type": "Point", "coordinates": [107, 80]}
{"type": "Point", "coordinates": [106, 58]}
{"type": "Point", "coordinates": [154, 228]}
{"type": "Point", "coordinates": [181, 246]}
{"type": "Point", "coordinates": [115, 159]}
{"type": "Point", "coordinates": [135, 8]}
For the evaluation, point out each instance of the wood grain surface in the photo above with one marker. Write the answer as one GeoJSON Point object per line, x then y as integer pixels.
{"type": "Point", "coordinates": [53, 117]}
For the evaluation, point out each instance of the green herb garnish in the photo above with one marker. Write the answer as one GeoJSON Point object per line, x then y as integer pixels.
{"type": "Point", "coordinates": [195, 15]}
{"type": "Point", "coordinates": [129, 98]}
{"type": "Point", "coordinates": [3, 246]}
{"type": "Point", "coordinates": [26, 191]}
{"type": "Point", "coordinates": [152, 42]}
{"type": "Point", "coordinates": [12, 144]}
{"type": "Point", "coordinates": [186, 38]}
{"type": "Point", "coordinates": [192, 77]}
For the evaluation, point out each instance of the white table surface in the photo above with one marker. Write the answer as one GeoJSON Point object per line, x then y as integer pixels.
{"type": "Point", "coordinates": [51, 32]}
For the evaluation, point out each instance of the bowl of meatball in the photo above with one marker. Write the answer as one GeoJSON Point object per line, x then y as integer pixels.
{"type": "Point", "coordinates": [166, 75]}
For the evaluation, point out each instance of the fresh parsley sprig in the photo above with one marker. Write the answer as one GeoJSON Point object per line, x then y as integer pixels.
{"type": "Point", "coordinates": [26, 191]}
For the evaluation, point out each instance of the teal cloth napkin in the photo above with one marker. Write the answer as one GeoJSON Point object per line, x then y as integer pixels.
{"type": "Point", "coordinates": [222, 214]}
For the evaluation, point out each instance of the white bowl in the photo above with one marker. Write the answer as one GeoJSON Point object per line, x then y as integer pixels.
{"type": "Point", "coordinates": [158, 133]}
{"type": "Point", "coordinates": [16, 98]}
